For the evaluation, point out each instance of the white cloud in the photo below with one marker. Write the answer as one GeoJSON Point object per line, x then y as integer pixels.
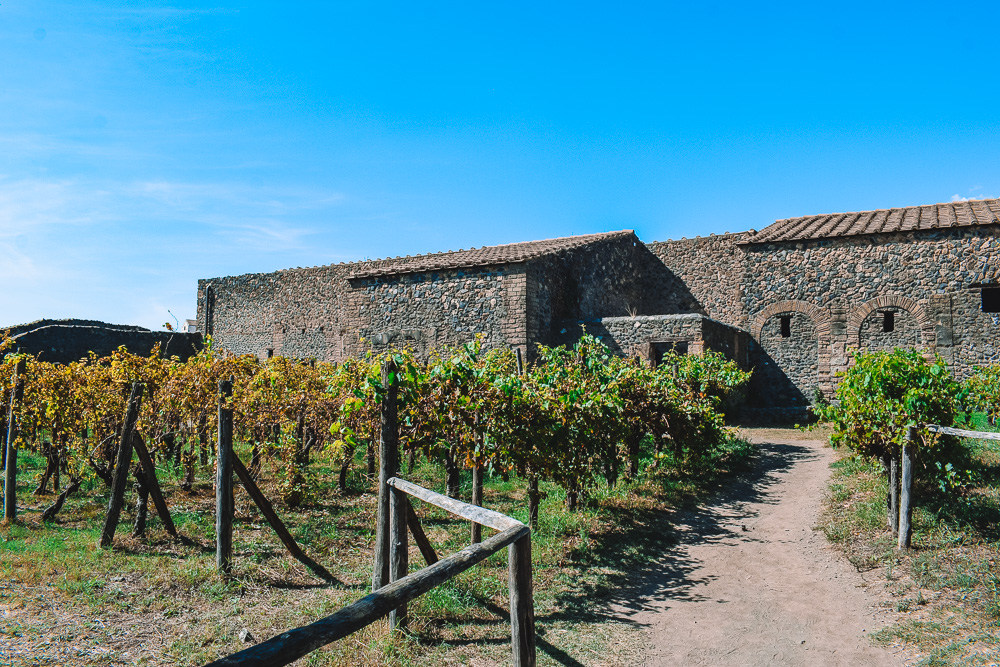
{"type": "Point", "coordinates": [126, 252]}
{"type": "Point", "coordinates": [960, 198]}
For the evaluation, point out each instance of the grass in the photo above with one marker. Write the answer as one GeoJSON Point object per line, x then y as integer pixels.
{"type": "Point", "coordinates": [158, 601]}
{"type": "Point", "coordinates": [944, 594]}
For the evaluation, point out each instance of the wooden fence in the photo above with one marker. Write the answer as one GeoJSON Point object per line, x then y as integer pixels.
{"type": "Point", "coordinates": [392, 587]}
{"type": "Point", "coordinates": [901, 478]}
{"type": "Point", "coordinates": [391, 599]}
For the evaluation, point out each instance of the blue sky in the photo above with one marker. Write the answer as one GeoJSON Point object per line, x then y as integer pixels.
{"type": "Point", "coordinates": [146, 145]}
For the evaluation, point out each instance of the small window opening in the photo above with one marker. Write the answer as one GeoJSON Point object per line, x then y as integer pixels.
{"type": "Point", "coordinates": [888, 322]}
{"type": "Point", "coordinates": [270, 352]}
{"type": "Point", "coordinates": [991, 299]}
{"type": "Point", "coordinates": [786, 326]}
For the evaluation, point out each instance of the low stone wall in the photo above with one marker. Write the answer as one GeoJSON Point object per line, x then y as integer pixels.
{"type": "Point", "coordinates": [649, 336]}
{"type": "Point", "coordinates": [63, 344]}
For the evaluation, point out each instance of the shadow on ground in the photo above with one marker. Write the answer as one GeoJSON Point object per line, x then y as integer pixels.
{"type": "Point", "coordinates": [643, 555]}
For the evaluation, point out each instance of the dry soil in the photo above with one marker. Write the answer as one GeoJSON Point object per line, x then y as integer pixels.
{"type": "Point", "coordinates": [752, 582]}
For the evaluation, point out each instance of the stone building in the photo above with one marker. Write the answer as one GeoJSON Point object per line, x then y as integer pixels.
{"type": "Point", "coordinates": [791, 300]}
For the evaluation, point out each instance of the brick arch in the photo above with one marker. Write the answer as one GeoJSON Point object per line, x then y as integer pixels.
{"type": "Point", "coordinates": [821, 318]}
{"type": "Point", "coordinates": [858, 315]}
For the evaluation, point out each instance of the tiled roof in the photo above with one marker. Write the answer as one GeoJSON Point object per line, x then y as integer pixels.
{"type": "Point", "coordinates": [912, 218]}
{"type": "Point", "coordinates": [473, 257]}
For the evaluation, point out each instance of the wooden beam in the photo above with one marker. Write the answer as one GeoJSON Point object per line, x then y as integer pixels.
{"type": "Point", "coordinates": [480, 515]}
{"type": "Point", "coordinates": [388, 467]}
{"type": "Point", "coordinates": [962, 433]}
{"type": "Point", "coordinates": [399, 562]}
{"type": "Point", "coordinates": [153, 484]}
{"type": "Point", "coordinates": [477, 500]}
{"type": "Point", "coordinates": [522, 603]}
{"type": "Point", "coordinates": [123, 462]}
{"type": "Point", "coordinates": [906, 488]}
{"type": "Point", "coordinates": [224, 483]}
{"type": "Point", "coordinates": [272, 518]}
{"type": "Point", "coordinates": [413, 521]}
{"type": "Point", "coordinates": [10, 451]}
{"type": "Point", "coordinates": [292, 645]}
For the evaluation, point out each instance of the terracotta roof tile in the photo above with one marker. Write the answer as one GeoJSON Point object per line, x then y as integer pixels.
{"type": "Point", "coordinates": [935, 216]}
{"type": "Point", "coordinates": [511, 253]}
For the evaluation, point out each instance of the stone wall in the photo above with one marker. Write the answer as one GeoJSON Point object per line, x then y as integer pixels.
{"type": "Point", "coordinates": [65, 343]}
{"type": "Point", "coordinates": [324, 312]}
{"type": "Point", "coordinates": [18, 329]}
{"type": "Point", "coordinates": [834, 290]}
{"type": "Point", "coordinates": [905, 330]}
{"type": "Point", "coordinates": [649, 336]}
{"type": "Point", "coordinates": [846, 283]}
{"type": "Point", "coordinates": [612, 278]}
{"type": "Point", "coordinates": [712, 270]}
{"type": "Point", "coordinates": [786, 369]}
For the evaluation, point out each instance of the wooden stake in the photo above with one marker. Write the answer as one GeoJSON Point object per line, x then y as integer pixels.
{"type": "Point", "coordinates": [398, 551]}
{"type": "Point", "coordinates": [906, 489]}
{"type": "Point", "coordinates": [477, 499]}
{"type": "Point", "coordinates": [272, 518]}
{"type": "Point", "coordinates": [153, 485]}
{"type": "Point", "coordinates": [413, 521]}
{"type": "Point", "coordinates": [894, 495]}
{"type": "Point", "coordinates": [123, 463]}
{"type": "Point", "coordinates": [533, 498]}
{"type": "Point", "coordinates": [388, 466]}
{"type": "Point", "coordinates": [10, 461]}
{"type": "Point", "coordinates": [224, 483]}
{"type": "Point", "coordinates": [522, 606]}
{"type": "Point", "coordinates": [141, 504]}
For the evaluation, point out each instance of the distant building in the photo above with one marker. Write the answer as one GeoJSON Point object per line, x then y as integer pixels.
{"type": "Point", "coordinates": [790, 301]}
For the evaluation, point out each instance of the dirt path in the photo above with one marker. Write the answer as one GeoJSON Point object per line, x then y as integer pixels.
{"type": "Point", "coordinates": [751, 583]}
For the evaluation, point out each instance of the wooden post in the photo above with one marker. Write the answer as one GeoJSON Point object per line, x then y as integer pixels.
{"type": "Point", "coordinates": [141, 503]}
{"type": "Point", "coordinates": [224, 483]}
{"type": "Point", "coordinates": [10, 461]}
{"type": "Point", "coordinates": [153, 484]}
{"type": "Point", "coordinates": [520, 361]}
{"type": "Point", "coordinates": [272, 518]}
{"type": "Point", "coordinates": [477, 499]}
{"type": "Point", "coordinates": [906, 488]}
{"type": "Point", "coordinates": [123, 464]}
{"type": "Point", "coordinates": [522, 605]}
{"type": "Point", "coordinates": [894, 495]}
{"type": "Point", "coordinates": [388, 449]}
{"type": "Point", "coordinates": [413, 521]}
{"type": "Point", "coordinates": [533, 498]}
{"type": "Point", "coordinates": [398, 551]}
{"type": "Point", "coordinates": [452, 474]}
{"type": "Point", "coordinates": [289, 646]}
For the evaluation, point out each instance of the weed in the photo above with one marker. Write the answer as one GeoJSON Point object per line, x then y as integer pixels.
{"type": "Point", "coordinates": [957, 547]}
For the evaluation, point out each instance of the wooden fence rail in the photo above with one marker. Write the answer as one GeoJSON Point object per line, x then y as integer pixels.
{"type": "Point", "coordinates": [962, 433]}
{"type": "Point", "coordinates": [393, 587]}
{"type": "Point", "coordinates": [390, 600]}
{"type": "Point", "coordinates": [292, 645]}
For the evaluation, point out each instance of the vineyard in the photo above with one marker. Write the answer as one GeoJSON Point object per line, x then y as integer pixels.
{"type": "Point", "coordinates": [573, 433]}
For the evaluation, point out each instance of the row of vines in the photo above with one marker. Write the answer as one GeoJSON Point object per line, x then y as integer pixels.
{"type": "Point", "coordinates": [885, 392]}
{"type": "Point", "coordinates": [573, 416]}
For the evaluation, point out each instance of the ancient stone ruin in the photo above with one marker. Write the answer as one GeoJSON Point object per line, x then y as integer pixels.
{"type": "Point", "coordinates": [66, 341]}
{"type": "Point", "coordinates": [791, 301]}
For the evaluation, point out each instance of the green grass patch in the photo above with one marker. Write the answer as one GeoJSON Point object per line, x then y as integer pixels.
{"type": "Point", "coordinates": [945, 592]}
